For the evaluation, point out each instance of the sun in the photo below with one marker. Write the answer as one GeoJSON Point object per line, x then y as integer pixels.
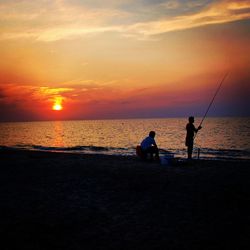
{"type": "Point", "coordinates": [57, 106]}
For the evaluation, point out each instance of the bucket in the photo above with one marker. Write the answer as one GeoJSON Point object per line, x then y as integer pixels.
{"type": "Point", "coordinates": [166, 159]}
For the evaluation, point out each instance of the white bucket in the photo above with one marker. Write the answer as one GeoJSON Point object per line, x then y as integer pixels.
{"type": "Point", "coordinates": [166, 158]}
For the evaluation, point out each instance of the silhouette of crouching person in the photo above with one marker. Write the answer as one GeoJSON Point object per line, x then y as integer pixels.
{"type": "Point", "coordinates": [149, 147]}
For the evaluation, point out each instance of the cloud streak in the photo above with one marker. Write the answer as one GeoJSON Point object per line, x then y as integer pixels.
{"type": "Point", "coordinates": [222, 12]}
{"type": "Point", "coordinates": [65, 21]}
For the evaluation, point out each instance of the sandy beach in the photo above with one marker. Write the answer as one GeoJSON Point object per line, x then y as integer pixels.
{"type": "Point", "coordinates": [70, 201]}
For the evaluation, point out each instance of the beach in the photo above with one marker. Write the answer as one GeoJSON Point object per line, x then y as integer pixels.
{"type": "Point", "coordinates": [52, 200]}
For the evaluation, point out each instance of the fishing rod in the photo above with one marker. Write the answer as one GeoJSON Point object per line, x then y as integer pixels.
{"type": "Point", "coordinates": [210, 104]}
{"type": "Point", "coordinates": [216, 92]}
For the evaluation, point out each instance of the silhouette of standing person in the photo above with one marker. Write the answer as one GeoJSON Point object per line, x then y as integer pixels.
{"type": "Point", "coordinates": [190, 136]}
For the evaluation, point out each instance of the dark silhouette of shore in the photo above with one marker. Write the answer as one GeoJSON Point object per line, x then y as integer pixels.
{"type": "Point", "coordinates": [70, 201]}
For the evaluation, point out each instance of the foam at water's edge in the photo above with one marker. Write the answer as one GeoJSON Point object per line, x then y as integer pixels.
{"type": "Point", "coordinates": [205, 153]}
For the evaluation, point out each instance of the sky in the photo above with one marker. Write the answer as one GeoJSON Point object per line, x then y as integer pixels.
{"type": "Point", "coordinates": [115, 59]}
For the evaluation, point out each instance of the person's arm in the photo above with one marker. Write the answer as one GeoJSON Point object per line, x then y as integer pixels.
{"type": "Point", "coordinates": [153, 142]}
{"type": "Point", "coordinates": [197, 129]}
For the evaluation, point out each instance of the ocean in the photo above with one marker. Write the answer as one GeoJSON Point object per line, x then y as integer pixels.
{"type": "Point", "coordinates": [220, 138]}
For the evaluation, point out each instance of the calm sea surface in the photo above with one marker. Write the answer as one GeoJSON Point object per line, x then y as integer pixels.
{"type": "Point", "coordinates": [219, 138]}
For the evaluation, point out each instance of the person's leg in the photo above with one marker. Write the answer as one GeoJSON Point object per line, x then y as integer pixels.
{"type": "Point", "coordinates": [190, 150]}
{"type": "Point", "coordinates": [157, 157]}
{"type": "Point", "coordinates": [151, 152]}
{"type": "Point", "coordinates": [145, 153]}
{"type": "Point", "coordinates": [154, 151]}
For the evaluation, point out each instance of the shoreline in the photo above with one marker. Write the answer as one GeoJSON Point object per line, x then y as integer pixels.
{"type": "Point", "coordinates": [52, 200]}
{"type": "Point", "coordinates": [131, 154]}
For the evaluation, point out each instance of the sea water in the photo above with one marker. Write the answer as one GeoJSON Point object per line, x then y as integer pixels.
{"type": "Point", "coordinates": [222, 138]}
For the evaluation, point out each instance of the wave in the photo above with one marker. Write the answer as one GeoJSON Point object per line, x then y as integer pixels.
{"type": "Point", "coordinates": [79, 149]}
{"type": "Point", "coordinates": [219, 154]}
{"type": "Point", "coordinates": [225, 153]}
{"type": "Point", "coordinates": [205, 153]}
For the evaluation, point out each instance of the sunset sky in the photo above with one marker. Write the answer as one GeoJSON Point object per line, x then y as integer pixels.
{"type": "Point", "coordinates": [98, 59]}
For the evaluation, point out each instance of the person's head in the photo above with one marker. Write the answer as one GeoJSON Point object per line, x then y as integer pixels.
{"type": "Point", "coordinates": [152, 134]}
{"type": "Point", "coordinates": [191, 119]}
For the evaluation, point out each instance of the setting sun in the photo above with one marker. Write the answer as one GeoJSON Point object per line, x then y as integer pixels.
{"type": "Point", "coordinates": [57, 106]}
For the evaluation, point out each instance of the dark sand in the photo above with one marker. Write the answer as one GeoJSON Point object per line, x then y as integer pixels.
{"type": "Point", "coordinates": [66, 201]}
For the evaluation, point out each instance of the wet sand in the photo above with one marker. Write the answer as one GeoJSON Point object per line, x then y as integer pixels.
{"type": "Point", "coordinates": [70, 201]}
